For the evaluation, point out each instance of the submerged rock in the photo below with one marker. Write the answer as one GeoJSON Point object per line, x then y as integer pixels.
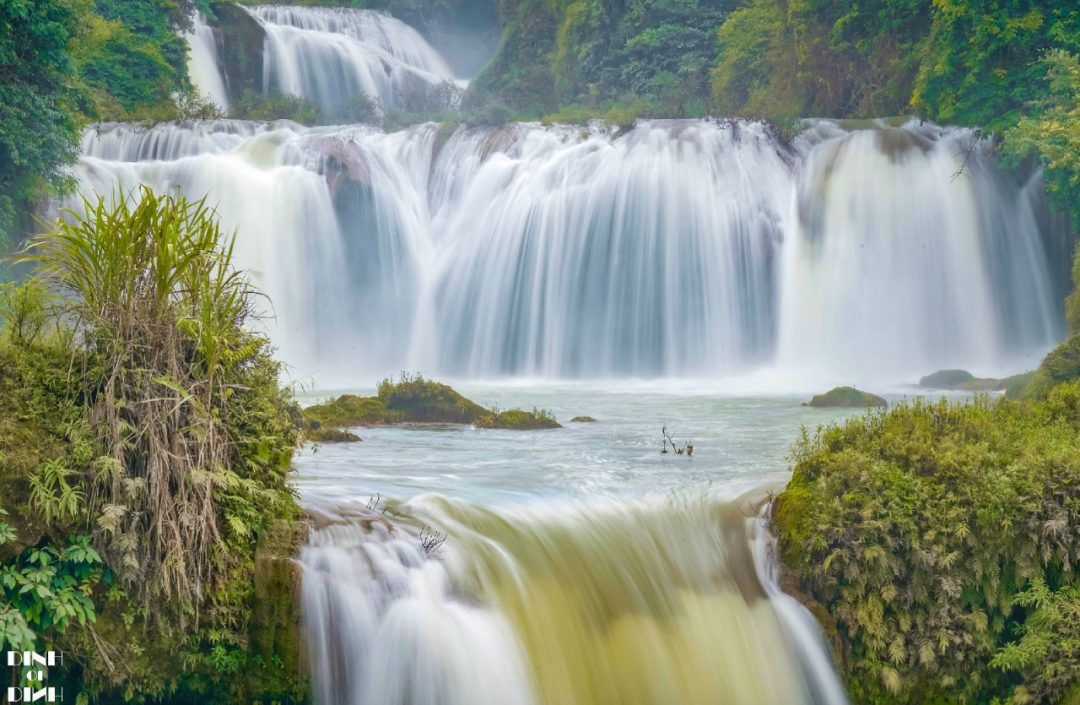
{"type": "Point", "coordinates": [961, 380]}
{"type": "Point", "coordinates": [583, 419]}
{"type": "Point", "coordinates": [847, 398]}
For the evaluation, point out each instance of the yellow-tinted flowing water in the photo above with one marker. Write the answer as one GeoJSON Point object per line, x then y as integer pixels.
{"type": "Point", "coordinates": [642, 602]}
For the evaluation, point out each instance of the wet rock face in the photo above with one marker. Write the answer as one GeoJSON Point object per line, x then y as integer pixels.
{"type": "Point", "coordinates": [275, 633]}
{"type": "Point", "coordinates": [240, 48]}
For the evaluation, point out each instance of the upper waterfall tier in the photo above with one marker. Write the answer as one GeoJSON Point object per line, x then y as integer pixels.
{"type": "Point", "coordinates": [204, 64]}
{"type": "Point", "coordinates": [676, 248]}
{"type": "Point", "coordinates": [332, 54]}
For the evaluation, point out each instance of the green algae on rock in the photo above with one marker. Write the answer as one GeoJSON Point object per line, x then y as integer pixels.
{"type": "Point", "coordinates": [962, 380]}
{"type": "Point", "coordinates": [412, 399]}
{"type": "Point", "coordinates": [518, 420]}
{"type": "Point", "coordinates": [846, 398]}
{"type": "Point", "coordinates": [326, 434]}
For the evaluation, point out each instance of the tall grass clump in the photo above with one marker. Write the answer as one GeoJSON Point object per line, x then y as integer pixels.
{"type": "Point", "coordinates": [160, 322]}
{"type": "Point", "coordinates": [939, 545]}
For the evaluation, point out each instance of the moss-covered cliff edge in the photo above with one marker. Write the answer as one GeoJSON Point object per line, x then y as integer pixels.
{"type": "Point", "coordinates": [937, 545]}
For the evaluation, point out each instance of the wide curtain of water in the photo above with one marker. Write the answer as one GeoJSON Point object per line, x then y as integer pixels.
{"type": "Point", "coordinates": [673, 249]}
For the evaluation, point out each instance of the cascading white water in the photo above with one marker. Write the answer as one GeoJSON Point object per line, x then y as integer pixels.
{"type": "Point", "coordinates": [679, 248]}
{"type": "Point", "coordinates": [644, 602]}
{"type": "Point", "coordinates": [904, 259]}
{"type": "Point", "coordinates": [203, 64]}
{"type": "Point", "coordinates": [267, 187]}
{"type": "Point", "coordinates": [643, 255]}
{"type": "Point", "coordinates": [332, 54]}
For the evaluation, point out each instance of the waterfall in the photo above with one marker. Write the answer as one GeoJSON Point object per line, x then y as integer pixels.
{"type": "Point", "coordinates": [203, 65]}
{"type": "Point", "coordinates": [904, 258]}
{"type": "Point", "coordinates": [265, 185]}
{"type": "Point", "coordinates": [673, 249]}
{"type": "Point", "coordinates": [332, 54]}
{"type": "Point", "coordinates": [645, 601]}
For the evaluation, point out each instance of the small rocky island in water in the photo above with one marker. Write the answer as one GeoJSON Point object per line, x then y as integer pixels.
{"type": "Point", "coordinates": [411, 400]}
{"type": "Point", "coordinates": [846, 398]}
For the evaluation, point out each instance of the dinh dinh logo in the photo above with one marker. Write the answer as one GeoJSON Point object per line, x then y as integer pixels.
{"type": "Point", "coordinates": [37, 666]}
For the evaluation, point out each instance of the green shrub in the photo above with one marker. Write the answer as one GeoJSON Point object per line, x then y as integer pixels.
{"type": "Point", "coordinates": [420, 400]}
{"type": "Point", "coordinates": [138, 408]}
{"type": "Point", "coordinates": [276, 105]}
{"type": "Point", "coordinates": [940, 538]}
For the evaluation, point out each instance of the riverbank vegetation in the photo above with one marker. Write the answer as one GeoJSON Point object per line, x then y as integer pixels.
{"type": "Point", "coordinates": [145, 448]}
{"type": "Point", "coordinates": [937, 542]}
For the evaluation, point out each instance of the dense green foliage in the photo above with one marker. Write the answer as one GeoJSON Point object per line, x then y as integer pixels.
{"type": "Point", "coordinates": [145, 446]}
{"type": "Point", "coordinates": [596, 53]}
{"type": "Point", "coordinates": [939, 541]}
{"type": "Point", "coordinates": [1006, 67]}
{"type": "Point", "coordinates": [133, 54]}
{"type": "Point", "coordinates": [40, 103]}
{"type": "Point", "coordinates": [1051, 131]}
{"type": "Point", "coordinates": [64, 62]}
{"type": "Point", "coordinates": [973, 62]}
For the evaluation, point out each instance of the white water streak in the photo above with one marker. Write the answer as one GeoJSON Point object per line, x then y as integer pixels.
{"type": "Point", "coordinates": [203, 65]}
{"type": "Point", "coordinates": [332, 54]}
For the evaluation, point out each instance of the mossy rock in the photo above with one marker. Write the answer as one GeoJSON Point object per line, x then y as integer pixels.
{"type": "Point", "coordinates": [518, 420]}
{"type": "Point", "coordinates": [847, 398]}
{"type": "Point", "coordinates": [961, 380]}
{"type": "Point", "coordinates": [241, 48]}
{"type": "Point", "coordinates": [414, 399]}
{"type": "Point", "coordinates": [583, 419]}
{"type": "Point", "coordinates": [411, 400]}
{"type": "Point", "coordinates": [946, 379]}
{"type": "Point", "coordinates": [274, 635]}
{"type": "Point", "coordinates": [325, 434]}
{"type": "Point", "coordinates": [348, 410]}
